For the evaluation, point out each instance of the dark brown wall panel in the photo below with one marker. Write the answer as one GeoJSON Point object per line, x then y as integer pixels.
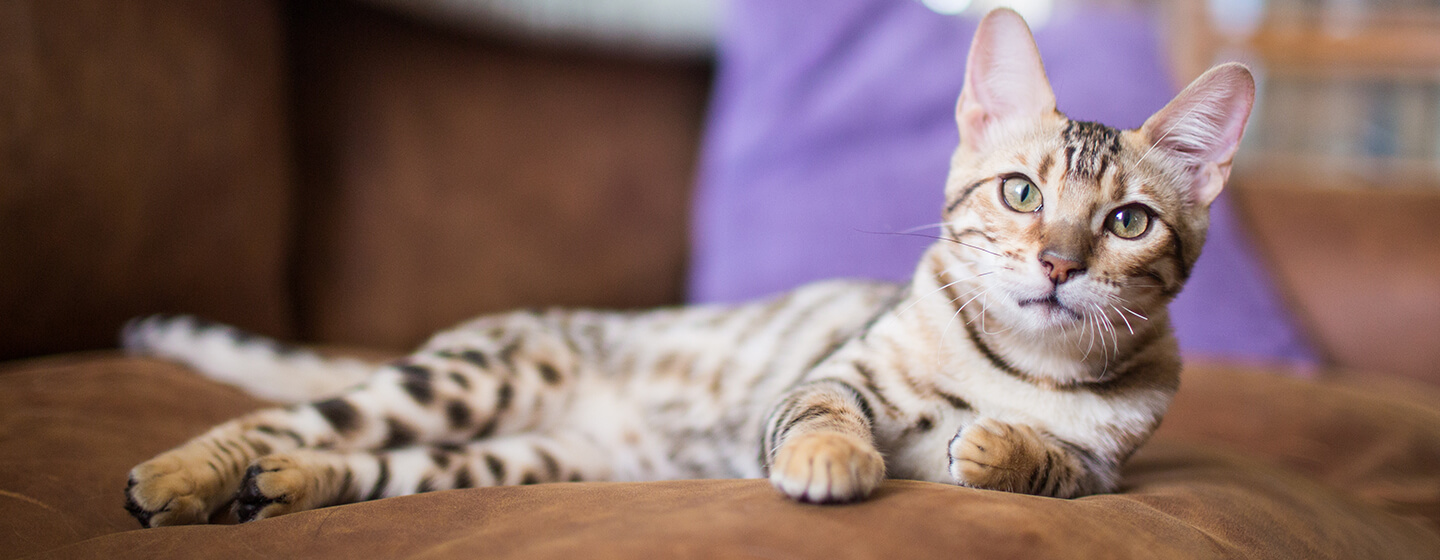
{"type": "Point", "coordinates": [143, 167]}
{"type": "Point", "coordinates": [445, 175]}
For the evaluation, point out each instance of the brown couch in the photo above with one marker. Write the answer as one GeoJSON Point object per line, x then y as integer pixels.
{"type": "Point", "coordinates": [334, 174]}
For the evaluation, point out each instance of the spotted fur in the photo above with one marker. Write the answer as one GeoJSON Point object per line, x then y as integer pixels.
{"type": "Point", "coordinates": [1030, 353]}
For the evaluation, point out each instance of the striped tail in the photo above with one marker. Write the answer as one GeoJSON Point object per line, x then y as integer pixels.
{"type": "Point", "coordinates": [260, 366]}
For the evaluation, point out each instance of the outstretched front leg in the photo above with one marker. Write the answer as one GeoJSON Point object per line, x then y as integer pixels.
{"type": "Point", "coordinates": [307, 478]}
{"type": "Point", "coordinates": [436, 397]}
{"type": "Point", "coordinates": [819, 446]}
{"type": "Point", "coordinates": [996, 455]}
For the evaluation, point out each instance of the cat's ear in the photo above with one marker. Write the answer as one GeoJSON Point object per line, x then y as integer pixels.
{"type": "Point", "coordinates": [1202, 127]}
{"type": "Point", "coordinates": [1004, 80]}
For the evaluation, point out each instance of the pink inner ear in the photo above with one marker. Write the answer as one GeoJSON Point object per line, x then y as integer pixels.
{"type": "Point", "coordinates": [1206, 121]}
{"type": "Point", "coordinates": [1202, 127]}
{"type": "Point", "coordinates": [1004, 78]}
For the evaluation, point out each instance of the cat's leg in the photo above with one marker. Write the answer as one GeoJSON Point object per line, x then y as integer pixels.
{"type": "Point", "coordinates": [306, 479]}
{"type": "Point", "coordinates": [438, 396]}
{"type": "Point", "coordinates": [1017, 458]}
{"type": "Point", "coordinates": [819, 446]}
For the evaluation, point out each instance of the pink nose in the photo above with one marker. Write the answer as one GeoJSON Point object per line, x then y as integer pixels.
{"type": "Point", "coordinates": [1059, 268]}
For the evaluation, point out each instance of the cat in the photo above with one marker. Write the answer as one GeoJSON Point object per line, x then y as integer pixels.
{"type": "Point", "coordinates": [1031, 352]}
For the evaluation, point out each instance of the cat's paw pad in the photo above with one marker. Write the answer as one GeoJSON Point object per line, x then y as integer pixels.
{"type": "Point", "coordinates": [274, 485]}
{"type": "Point", "coordinates": [169, 490]}
{"type": "Point", "coordinates": [827, 468]}
{"type": "Point", "coordinates": [995, 455]}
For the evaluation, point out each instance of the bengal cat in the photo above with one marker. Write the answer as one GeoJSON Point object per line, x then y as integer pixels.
{"type": "Point", "coordinates": [1031, 352]}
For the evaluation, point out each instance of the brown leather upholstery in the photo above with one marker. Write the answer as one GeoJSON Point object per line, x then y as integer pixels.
{"type": "Point", "coordinates": [1247, 465]}
{"type": "Point", "coordinates": [1361, 267]}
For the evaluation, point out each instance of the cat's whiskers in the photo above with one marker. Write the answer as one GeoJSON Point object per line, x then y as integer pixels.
{"type": "Point", "coordinates": [924, 227]}
{"type": "Point", "coordinates": [1132, 312]}
{"type": "Point", "coordinates": [1110, 325]}
{"type": "Point", "coordinates": [935, 237]}
{"type": "Point", "coordinates": [938, 290]}
{"type": "Point", "coordinates": [984, 307]}
{"type": "Point", "coordinates": [1123, 318]}
{"type": "Point", "coordinates": [946, 332]}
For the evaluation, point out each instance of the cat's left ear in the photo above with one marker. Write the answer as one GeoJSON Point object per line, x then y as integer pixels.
{"type": "Point", "coordinates": [1202, 127]}
{"type": "Point", "coordinates": [1004, 81]}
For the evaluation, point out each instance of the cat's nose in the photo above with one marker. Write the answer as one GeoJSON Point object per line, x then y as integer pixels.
{"type": "Point", "coordinates": [1059, 268]}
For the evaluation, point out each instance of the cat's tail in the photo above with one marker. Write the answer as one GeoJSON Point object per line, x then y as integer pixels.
{"type": "Point", "coordinates": [260, 366]}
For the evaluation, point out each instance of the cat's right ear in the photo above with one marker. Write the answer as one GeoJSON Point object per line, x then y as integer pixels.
{"type": "Point", "coordinates": [1004, 80]}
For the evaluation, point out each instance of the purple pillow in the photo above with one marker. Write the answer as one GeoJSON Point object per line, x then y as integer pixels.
{"type": "Point", "coordinates": [831, 130]}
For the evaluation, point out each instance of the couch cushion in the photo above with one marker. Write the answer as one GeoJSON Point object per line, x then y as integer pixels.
{"type": "Point", "coordinates": [1247, 465]}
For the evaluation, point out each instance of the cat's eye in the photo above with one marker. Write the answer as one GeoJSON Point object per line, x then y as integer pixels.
{"type": "Point", "coordinates": [1020, 194]}
{"type": "Point", "coordinates": [1129, 222]}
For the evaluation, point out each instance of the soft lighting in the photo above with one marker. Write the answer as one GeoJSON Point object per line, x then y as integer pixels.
{"type": "Point", "coordinates": [947, 7]}
{"type": "Point", "coordinates": [1036, 12]}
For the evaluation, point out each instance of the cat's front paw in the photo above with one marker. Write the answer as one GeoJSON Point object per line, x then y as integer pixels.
{"type": "Point", "coordinates": [176, 489]}
{"type": "Point", "coordinates": [280, 484]}
{"type": "Point", "coordinates": [995, 455]}
{"type": "Point", "coordinates": [827, 467]}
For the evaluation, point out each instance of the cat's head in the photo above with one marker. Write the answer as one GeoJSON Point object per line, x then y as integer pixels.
{"type": "Point", "coordinates": [1067, 218]}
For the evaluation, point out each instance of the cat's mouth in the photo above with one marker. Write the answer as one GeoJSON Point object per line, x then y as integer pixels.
{"type": "Point", "coordinates": [1051, 304]}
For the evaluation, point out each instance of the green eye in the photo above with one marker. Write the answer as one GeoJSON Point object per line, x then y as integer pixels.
{"type": "Point", "coordinates": [1020, 194]}
{"type": "Point", "coordinates": [1129, 222]}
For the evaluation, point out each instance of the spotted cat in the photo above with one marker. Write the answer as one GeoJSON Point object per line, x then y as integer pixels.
{"type": "Point", "coordinates": [1031, 352]}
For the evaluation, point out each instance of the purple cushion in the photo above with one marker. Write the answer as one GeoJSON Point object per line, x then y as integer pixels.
{"type": "Point", "coordinates": [831, 130]}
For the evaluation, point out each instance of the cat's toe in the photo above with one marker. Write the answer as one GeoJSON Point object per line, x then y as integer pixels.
{"type": "Point", "coordinates": [274, 485]}
{"type": "Point", "coordinates": [994, 455]}
{"type": "Point", "coordinates": [827, 468]}
{"type": "Point", "coordinates": [164, 491]}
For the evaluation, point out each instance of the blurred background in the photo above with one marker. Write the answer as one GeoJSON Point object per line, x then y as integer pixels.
{"type": "Point", "coordinates": [364, 173]}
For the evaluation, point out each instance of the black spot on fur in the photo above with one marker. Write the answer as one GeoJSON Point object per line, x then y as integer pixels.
{"type": "Point", "coordinates": [487, 429]}
{"type": "Point", "coordinates": [399, 434]}
{"type": "Point", "coordinates": [575, 477]}
{"type": "Point", "coordinates": [924, 424]}
{"type": "Point", "coordinates": [285, 432]}
{"type": "Point", "coordinates": [348, 493]}
{"type": "Point", "coordinates": [463, 478]}
{"type": "Point", "coordinates": [339, 413]}
{"type": "Point", "coordinates": [460, 380]}
{"type": "Point", "coordinates": [440, 457]}
{"type": "Point", "coordinates": [476, 357]}
{"type": "Point", "coordinates": [427, 484]}
{"type": "Point", "coordinates": [529, 478]}
{"type": "Point", "coordinates": [503, 396]}
{"type": "Point", "coordinates": [548, 373]}
{"type": "Point", "coordinates": [497, 468]}
{"type": "Point", "coordinates": [552, 467]}
{"type": "Point", "coordinates": [380, 480]}
{"type": "Point", "coordinates": [418, 382]}
{"type": "Point", "coordinates": [507, 354]}
{"type": "Point", "coordinates": [458, 414]}
{"type": "Point", "coordinates": [450, 447]}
